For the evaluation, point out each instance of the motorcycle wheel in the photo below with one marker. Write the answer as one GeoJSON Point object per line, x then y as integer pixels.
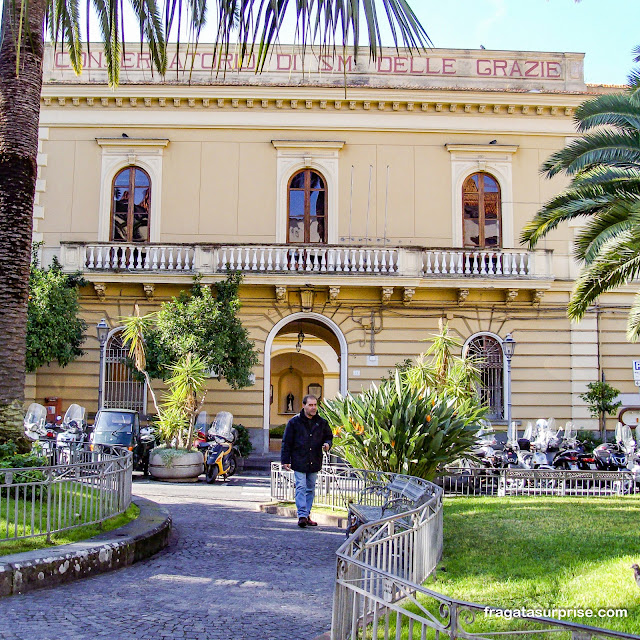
{"type": "Point", "coordinates": [233, 466]}
{"type": "Point", "coordinates": [145, 467]}
{"type": "Point", "coordinates": [211, 473]}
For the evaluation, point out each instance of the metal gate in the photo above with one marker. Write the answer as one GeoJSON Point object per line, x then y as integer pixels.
{"type": "Point", "coordinates": [121, 389]}
{"type": "Point", "coordinates": [486, 353]}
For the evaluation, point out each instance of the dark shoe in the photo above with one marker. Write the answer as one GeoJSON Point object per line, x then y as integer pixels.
{"type": "Point", "coordinates": [302, 522]}
{"type": "Point", "coordinates": [311, 523]}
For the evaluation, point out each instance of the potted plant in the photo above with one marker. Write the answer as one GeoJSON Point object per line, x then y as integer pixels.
{"type": "Point", "coordinates": [178, 460]}
{"type": "Point", "coordinates": [243, 443]}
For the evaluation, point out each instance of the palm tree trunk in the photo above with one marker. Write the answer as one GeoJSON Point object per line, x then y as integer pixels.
{"type": "Point", "coordinates": [19, 118]}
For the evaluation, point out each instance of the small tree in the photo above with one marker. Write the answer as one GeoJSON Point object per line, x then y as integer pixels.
{"type": "Point", "coordinates": [55, 332]}
{"type": "Point", "coordinates": [600, 399]}
{"type": "Point", "coordinates": [192, 335]}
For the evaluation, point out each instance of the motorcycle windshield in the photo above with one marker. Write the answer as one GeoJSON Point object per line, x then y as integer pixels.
{"type": "Point", "coordinates": [75, 413]}
{"type": "Point", "coordinates": [222, 426]}
{"type": "Point", "coordinates": [202, 420]}
{"type": "Point", "coordinates": [36, 415]}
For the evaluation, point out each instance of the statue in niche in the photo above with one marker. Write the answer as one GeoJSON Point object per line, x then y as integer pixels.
{"type": "Point", "coordinates": [289, 404]}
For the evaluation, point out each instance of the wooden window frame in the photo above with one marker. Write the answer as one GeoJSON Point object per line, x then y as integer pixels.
{"type": "Point", "coordinates": [481, 218]}
{"type": "Point", "coordinates": [307, 205]}
{"type": "Point", "coordinates": [130, 213]}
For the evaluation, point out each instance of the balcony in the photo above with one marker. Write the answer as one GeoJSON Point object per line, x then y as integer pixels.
{"type": "Point", "coordinates": [314, 261]}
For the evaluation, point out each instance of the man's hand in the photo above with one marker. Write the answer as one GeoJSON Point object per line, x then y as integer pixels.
{"type": "Point", "coordinates": [286, 467]}
{"type": "Point", "coordinates": [326, 446]}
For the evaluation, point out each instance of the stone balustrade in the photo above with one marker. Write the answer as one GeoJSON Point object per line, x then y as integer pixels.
{"type": "Point", "coordinates": [410, 262]}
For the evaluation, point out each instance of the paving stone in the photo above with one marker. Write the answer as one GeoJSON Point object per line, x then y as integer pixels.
{"type": "Point", "coordinates": [229, 573]}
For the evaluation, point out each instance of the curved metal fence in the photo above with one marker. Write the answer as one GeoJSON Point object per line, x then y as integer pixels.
{"type": "Point", "coordinates": [381, 566]}
{"type": "Point", "coordinates": [85, 487]}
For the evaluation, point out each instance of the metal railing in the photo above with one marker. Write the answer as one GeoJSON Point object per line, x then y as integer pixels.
{"type": "Point", "coordinates": [79, 488]}
{"type": "Point", "coordinates": [537, 482]}
{"type": "Point", "coordinates": [382, 565]}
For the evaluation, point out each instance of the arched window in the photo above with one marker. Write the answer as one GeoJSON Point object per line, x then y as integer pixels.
{"type": "Point", "coordinates": [121, 389]}
{"type": "Point", "coordinates": [131, 205]}
{"type": "Point", "coordinates": [481, 217]}
{"type": "Point", "coordinates": [307, 208]}
{"type": "Point", "coordinates": [486, 352]}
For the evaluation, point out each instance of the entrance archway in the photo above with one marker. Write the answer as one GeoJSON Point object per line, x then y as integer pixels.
{"type": "Point", "coordinates": [299, 317]}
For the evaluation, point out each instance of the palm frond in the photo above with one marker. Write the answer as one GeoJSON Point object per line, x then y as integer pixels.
{"type": "Point", "coordinates": [633, 321]}
{"type": "Point", "coordinates": [614, 148]}
{"type": "Point", "coordinates": [611, 221]}
{"type": "Point", "coordinates": [616, 110]}
{"type": "Point", "coordinates": [617, 262]}
{"type": "Point", "coordinates": [152, 31]}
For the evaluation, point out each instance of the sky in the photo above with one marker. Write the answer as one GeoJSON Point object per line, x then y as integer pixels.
{"type": "Point", "coordinates": [607, 31]}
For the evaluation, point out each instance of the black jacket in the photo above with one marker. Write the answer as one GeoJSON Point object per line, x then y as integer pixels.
{"type": "Point", "coordinates": [302, 442]}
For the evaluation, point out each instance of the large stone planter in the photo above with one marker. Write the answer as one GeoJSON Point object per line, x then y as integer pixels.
{"type": "Point", "coordinates": [173, 465]}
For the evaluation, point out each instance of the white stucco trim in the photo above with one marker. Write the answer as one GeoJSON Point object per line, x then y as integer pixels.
{"type": "Point", "coordinates": [494, 159]}
{"type": "Point", "coordinates": [301, 315]}
{"type": "Point", "coordinates": [118, 153]}
{"type": "Point", "coordinates": [465, 349]}
{"type": "Point", "coordinates": [295, 155]}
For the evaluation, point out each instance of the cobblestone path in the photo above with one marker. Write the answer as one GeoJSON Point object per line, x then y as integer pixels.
{"type": "Point", "coordinates": [230, 573]}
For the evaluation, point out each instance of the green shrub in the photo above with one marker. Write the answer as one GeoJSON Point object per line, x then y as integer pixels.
{"type": "Point", "coordinates": [244, 441]}
{"type": "Point", "coordinates": [401, 428]}
{"type": "Point", "coordinates": [277, 433]}
{"type": "Point", "coordinates": [590, 440]}
{"type": "Point", "coordinates": [9, 459]}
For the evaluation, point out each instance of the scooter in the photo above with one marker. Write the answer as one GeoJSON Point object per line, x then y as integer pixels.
{"type": "Point", "coordinates": [37, 430]}
{"type": "Point", "coordinates": [221, 454]}
{"type": "Point", "coordinates": [572, 456]}
{"type": "Point", "coordinates": [73, 436]}
{"type": "Point", "coordinates": [614, 456]}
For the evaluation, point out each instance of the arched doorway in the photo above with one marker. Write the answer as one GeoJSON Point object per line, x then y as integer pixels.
{"type": "Point", "coordinates": [311, 324]}
{"type": "Point", "coordinates": [120, 388]}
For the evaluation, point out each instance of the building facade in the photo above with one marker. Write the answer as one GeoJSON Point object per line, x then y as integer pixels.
{"type": "Point", "coordinates": [362, 201]}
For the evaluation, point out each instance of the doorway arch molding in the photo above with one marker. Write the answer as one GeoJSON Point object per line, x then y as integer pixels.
{"type": "Point", "coordinates": [300, 315]}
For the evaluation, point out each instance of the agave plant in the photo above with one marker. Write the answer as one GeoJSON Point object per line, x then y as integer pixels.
{"type": "Point", "coordinates": [403, 428]}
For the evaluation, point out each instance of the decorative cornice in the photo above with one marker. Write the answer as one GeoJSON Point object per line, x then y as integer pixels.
{"type": "Point", "coordinates": [557, 106]}
{"type": "Point", "coordinates": [308, 144]}
{"type": "Point", "coordinates": [481, 148]}
{"type": "Point", "coordinates": [132, 142]}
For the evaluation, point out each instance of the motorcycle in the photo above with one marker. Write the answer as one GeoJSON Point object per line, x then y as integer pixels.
{"type": "Point", "coordinates": [37, 429]}
{"type": "Point", "coordinates": [572, 456]}
{"type": "Point", "coordinates": [220, 455]}
{"type": "Point", "coordinates": [73, 435]}
{"type": "Point", "coordinates": [614, 456]}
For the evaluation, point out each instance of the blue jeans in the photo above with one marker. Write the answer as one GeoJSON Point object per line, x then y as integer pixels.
{"type": "Point", "coordinates": [305, 492]}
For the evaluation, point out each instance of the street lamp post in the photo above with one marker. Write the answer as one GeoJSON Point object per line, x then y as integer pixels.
{"type": "Point", "coordinates": [102, 329]}
{"type": "Point", "coordinates": [508, 347]}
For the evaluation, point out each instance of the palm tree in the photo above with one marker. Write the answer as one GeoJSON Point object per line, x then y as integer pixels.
{"type": "Point", "coordinates": [605, 189]}
{"type": "Point", "coordinates": [330, 23]}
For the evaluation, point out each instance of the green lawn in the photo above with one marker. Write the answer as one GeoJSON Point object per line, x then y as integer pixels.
{"type": "Point", "coordinates": [70, 504]}
{"type": "Point", "coordinates": [543, 553]}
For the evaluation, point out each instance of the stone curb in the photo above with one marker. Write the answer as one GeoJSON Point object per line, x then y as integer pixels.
{"type": "Point", "coordinates": [138, 539]}
{"type": "Point", "coordinates": [326, 519]}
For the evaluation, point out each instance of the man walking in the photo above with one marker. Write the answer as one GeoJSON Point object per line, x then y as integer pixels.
{"type": "Point", "coordinates": [306, 436]}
